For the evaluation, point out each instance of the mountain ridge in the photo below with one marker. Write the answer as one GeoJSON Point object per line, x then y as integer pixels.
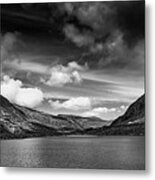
{"type": "Point", "coordinates": [134, 112]}
{"type": "Point", "coordinates": [132, 122]}
{"type": "Point", "coordinates": [22, 122]}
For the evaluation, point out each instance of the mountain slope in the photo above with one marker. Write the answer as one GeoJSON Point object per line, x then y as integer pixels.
{"type": "Point", "coordinates": [20, 122]}
{"type": "Point", "coordinates": [17, 121]}
{"type": "Point", "coordinates": [134, 114]}
{"type": "Point", "coordinates": [131, 123]}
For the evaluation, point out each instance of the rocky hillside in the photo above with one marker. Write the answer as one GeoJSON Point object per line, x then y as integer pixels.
{"type": "Point", "coordinates": [18, 122]}
{"type": "Point", "coordinates": [131, 123]}
{"type": "Point", "coordinates": [135, 114]}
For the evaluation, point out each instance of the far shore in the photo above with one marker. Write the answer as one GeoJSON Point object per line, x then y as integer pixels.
{"type": "Point", "coordinates": [71, 136]}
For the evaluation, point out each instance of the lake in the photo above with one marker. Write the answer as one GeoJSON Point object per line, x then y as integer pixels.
{"type": "Point", "coordinates": [107, 152]}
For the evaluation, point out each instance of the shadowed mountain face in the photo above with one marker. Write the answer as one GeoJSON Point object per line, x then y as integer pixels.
{"type": "Point", "coordinates": [134, 114]}
{"type": "Point", "coordinates": [18, 122]}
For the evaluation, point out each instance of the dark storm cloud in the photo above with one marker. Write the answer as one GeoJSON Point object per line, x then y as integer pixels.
{"type": "Point", "coordinates": [131, 20]}
{"type": "Point", "coordinates": [106, 31]}
{"type": "Point", "coordinates": [116, 32]}
{"type": "Point", "coordinates": [98, 17]}
{"type": "Point", "coordinates": [105, 17]}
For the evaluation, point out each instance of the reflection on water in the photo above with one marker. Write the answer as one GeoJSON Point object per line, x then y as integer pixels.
{"type": "Point", "coordinates": [73, 152]}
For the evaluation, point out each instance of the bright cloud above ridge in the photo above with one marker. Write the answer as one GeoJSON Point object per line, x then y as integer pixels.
{"type": "Point", "coordinates": [99, 112]}
{"type": "Point", "coordinates": [79, 103]}
{"type": "Point", "coordinates": [14, 91]}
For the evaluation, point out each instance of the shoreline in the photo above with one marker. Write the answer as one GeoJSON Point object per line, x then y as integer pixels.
{"type": "Point", "coordinates": [72, 136]}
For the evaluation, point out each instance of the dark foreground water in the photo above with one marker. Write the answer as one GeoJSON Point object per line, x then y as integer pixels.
{"type": "Point", "coordinates": [75, 152]}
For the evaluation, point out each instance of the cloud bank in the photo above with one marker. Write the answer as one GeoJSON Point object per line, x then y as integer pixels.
{"type": "Point", "coordinates": [14, 91]}
{"type": "Point", "coordinates": [86, 107]}
{"type": "Point", "coordinates": [99, 112]}
{"type": "Point", "coordinates": [75, 104]}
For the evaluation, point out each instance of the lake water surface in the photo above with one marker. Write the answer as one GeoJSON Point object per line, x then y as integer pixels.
{"type": "Point", "coordinates": [107, 152]}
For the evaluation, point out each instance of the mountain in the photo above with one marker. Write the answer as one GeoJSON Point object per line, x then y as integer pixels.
{"type": "Point", "coordinates": [131, 123]}
{"type": "Point", "coordinates": [135, 114]}
{"type": "Point", "coordinates": [21, 122]}
{"type": "Point", "coordinates": [18, 122]}
{"type": "Point", "coordinates": [133, 120]}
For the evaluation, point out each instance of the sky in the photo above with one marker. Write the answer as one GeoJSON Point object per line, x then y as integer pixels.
{"type": "Point", "coordinates": [86, 59]}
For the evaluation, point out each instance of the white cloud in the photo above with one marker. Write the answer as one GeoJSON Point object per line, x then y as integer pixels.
{"type": "Point", "coordinates": [122, 107]}
{"type": "Point", "coordinates": [83, 106]}
{"type": "Point", "coordinates": [61, 75]}
{"type": "Point", "coordinates": [75, 66]}
{"type": "Point", "coordinates": [14, 91]}
{"type": "Point", "coordinates": [99, 112]}
{"type": "Point", "coordinates": [79, 103]}
{"type": "Point", "coordinates": [112, 110]}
